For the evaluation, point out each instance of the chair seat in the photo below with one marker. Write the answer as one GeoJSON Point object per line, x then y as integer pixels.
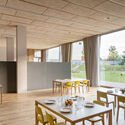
{"type": "Point", "coordinates": [95, 119]}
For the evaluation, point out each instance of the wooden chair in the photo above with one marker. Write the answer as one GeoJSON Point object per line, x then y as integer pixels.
{"type": "Point", "coordinates": [77, 86]}
{"type": "Point", "coordinates": [85, 83]}
{"type": "Point", "coordinates": [40, 117]}
{"type": "Point", "coordinates": [99, 118]}
{"type": "Point", "coordinates": [121, 104]}
{"type": "Point", "coordinates": [68, 86]}
{"type": "Point", "coordinates": [51, 121]}
{"type": "Point", "coordinates": [102, 97]}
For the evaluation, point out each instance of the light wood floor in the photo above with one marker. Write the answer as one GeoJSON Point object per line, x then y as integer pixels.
{"type": "Point", "coordinates": [18, 109]}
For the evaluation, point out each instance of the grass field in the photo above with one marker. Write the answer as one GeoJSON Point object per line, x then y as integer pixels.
{"type": "Point", "coordinates": [111, 74]}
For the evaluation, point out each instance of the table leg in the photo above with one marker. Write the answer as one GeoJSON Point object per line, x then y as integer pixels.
{"type": "Point", "coordinates": [1, 94]}
{"type": "Point", "coordinates": [110, 118]}
{"type": "Point", "coordinates": [36, 122]}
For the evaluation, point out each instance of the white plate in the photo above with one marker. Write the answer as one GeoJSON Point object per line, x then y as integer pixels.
{"type": "Point", "coordinates": [89, 104]}
{"type": "Point", "coordinates": [65, 110]}
{"type": "Point", "coordinates": [49, 101]}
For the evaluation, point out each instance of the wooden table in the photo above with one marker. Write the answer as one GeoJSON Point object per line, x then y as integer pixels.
{"type": "Point", "coordinates": [1, 89]}
{"type": "Point", "coordinates": [63, 81]}
{"type": "Point", "coordinates": [76, 115]}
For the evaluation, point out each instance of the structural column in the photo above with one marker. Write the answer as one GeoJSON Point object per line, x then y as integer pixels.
{"type": "Point", "coordinates": [21, 56]}
{"type": "Point", "coordinates": [10, 48]}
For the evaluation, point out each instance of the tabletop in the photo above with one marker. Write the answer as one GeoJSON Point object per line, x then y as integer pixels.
{"type": "Point", "coordinates": [77, 114]}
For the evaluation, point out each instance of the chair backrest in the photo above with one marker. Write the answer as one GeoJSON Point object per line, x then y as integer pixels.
{"type": "Point", "coordinates": [39, 113]}
{"type": "Point", "coordinates": [99, 102]}
{"type": "Point", "coordinates": [101, 96]}
{"type": "Point", "coordinates": [50, 119]}
{"type": "Point", "coordinates": [77, 82]}
{"type": "Point", "coordinates": [86, 82]}
{"type": "Point", "coordinates": [68, 84]}
{"type": "Point", "coordinates": [121, 99]}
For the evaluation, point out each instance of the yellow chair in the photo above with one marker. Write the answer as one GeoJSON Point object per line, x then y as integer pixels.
{"type": "Point", "coordinates": [77, 85]}
{"type": "Point", "coordinates": [40, 118]}
{"type": "Point", "coordinates": [121, 104]}
{"type": "Point", "coordinates": [99, 118]}
{"type": "Point", "coordinates": [68, 86]}
{"type": "Point", "coordinates": [85, 83]}
{"type": "Point", "coordinates": [51, 121]}
{"type": "Point", "coordinates": [102, 97]}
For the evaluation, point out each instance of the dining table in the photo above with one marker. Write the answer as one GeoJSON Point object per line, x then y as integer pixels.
{"type": "Point", "coordinates": [77, 114]}
{"type": "Point", "coordinates": [61, 82]}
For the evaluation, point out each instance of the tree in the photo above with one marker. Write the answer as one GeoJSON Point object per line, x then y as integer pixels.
{"type": "Point", "coordinates": [123, 58]}
{"type": "Point", "coordinates": [113, 54]}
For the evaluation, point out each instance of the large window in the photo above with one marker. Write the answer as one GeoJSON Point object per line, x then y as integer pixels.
{"type": "Point", "coordinates": [53, 55]}
{"type": "Point", "coordinates": [78, 63]}
{"type": "Point", "coordinates": [112, 57]}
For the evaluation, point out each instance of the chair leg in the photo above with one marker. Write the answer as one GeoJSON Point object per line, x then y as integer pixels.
{"type": "Point", "coordinates": [114, 107]}
{"type": "Point", "coordinates": [79, 89]}
{"type": "Point", "coordinates": [92, 123]}
{"type": "Point", "coordinates": [117, 114]}
{"type": "Point", "coordinates": [124, 114]}
{"type": "Point", "coordinates": [83, 122]}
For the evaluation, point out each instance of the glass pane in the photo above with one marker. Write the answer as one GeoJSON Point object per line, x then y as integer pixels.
{"type": "Point", "coordinates": [78, 63]}
{"type": "Point", "coordinates": [112, 57]}
{"type": "Point", "coordinates": [53, 55]}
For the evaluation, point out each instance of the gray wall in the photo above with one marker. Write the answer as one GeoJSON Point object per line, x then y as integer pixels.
{"type": "Point", "coordinates": [40, 75]}
{"type": "Point", "coordinates": [3, 75]}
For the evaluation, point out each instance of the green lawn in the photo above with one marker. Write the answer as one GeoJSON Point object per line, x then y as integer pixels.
{"type": "Point", "coordinates": [109, 73]}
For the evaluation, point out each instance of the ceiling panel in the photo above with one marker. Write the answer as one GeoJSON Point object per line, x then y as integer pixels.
{"type": "Point", "coordinates": [87, 3]}
{"type": "Point", "coordinates": [20, 5]}
{"type": "Point", "coordinates": [56, 4]}
{"type": "Point", "coordinates": [103, 17]}
{"type": "Point", "coordinates": [59, 21]}
{"type": "Point", "coordinates": [3, 2]}
{"type": "Point", "coordinates": [16, 19]}
{"type": "Point", "coordinates": [58, 14]}
{"type": "Point", "coordinates": [8, 11]}
{"type": "Point", "coordinates": [31, 16]}
{"type": "Point", "coordinates": [78, 10]}
{"type": "Point", "coordinates": [120, 2]}
{"type": "Point", "coordinates": [111, 8]}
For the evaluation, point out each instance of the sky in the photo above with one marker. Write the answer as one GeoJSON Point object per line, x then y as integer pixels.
{"type": "Point", "coordinates": [116, 39]}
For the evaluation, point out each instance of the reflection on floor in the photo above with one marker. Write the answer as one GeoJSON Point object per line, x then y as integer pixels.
{"type": "Point", "coordinates": [18, 109]}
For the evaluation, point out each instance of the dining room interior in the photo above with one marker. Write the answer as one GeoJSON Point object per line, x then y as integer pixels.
{"type": "Point", "coordinates": [62, 62]}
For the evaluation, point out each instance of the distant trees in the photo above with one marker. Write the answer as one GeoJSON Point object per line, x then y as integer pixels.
{"type": "Point", "coordinates": [113, 54]}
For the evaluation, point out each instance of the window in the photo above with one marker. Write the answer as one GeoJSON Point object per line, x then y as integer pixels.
{"type": "Point", "coordinates": [37, 56]}
{"type": "Point", "coordinates": [112, 57]}
{"type": "Point", "coordinates": [78, 63]}
{"type": "Point", "coordinates": [53, 55]}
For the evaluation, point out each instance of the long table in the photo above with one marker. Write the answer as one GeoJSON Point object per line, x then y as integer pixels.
{"type": "Point", "coordinates": [63, 81]}
{"type": "Point", "coordinates": [76, 115]}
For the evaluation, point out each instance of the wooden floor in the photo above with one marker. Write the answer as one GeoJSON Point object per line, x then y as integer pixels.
{"type": "Point", "coordinates": [18, 109]}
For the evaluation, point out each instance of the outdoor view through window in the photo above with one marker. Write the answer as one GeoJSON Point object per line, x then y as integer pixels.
{"type": "Point", "coordinates": [112, 57]}
{"type": "Point", "coordinates": [78, 63]}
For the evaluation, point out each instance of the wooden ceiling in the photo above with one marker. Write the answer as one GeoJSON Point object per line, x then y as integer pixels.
{"type": "Point", "coordinates": [53, 22]}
